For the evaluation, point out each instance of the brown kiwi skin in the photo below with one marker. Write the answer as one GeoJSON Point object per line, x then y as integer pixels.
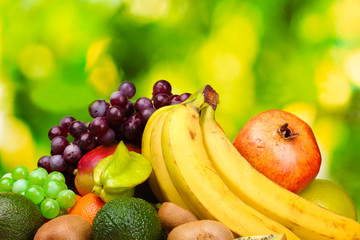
{"type": "Point", "coordinates": [172, 215]}
{"type": "Point", "coordinates": [66, 227]}
{"type": "Point", "coordinates": [201, 230]}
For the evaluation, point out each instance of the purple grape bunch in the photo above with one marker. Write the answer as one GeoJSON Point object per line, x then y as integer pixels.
{"type": "Point", "coordinates": [120, 118]}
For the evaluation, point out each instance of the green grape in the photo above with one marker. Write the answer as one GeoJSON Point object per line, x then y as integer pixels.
{"type": "Point", "coordinates": [35, 193]}
{"type": "Point", "coordinates": [63, 211]}
{"type": "Point", "coordinates": [56, 175]}
{"type": "Point", "coordinates": [49, 208]}
{"type": "Point", "coordinates": [37, 177]}
{"type": "Point", "coordinates": [6, 184]}
{"type": "Point", "coordinates": [52, 188]}
{"type": "Point", "coordinates": [64, 186]}
{"type": "Point", "coordinates": [20, 186]}
{"type": "Point", "coordinates": [66, 198]}
{"type": "Point", "coordinates": [41, 170]}
{"type": "Point", "coordinates": [7, 175]}
{"type": "Point", "coordinates": [20, 172]}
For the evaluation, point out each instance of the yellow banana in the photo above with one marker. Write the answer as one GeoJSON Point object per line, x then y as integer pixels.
{"type": "Point", "coordinates": [197, 181]}
{"type": "Point", "coordinates": [306, 219]}
{"type": "Point", "coordinates": [166, 186]}
{"type": "Point", "coordinates": [159, 179]}
{"type": "Point", "coordinates": [146, 149]}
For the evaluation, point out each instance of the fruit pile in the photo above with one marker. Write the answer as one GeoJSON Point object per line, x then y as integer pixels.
{"type": "Point", "coordinates": [198, 168]}
{"type": "Point", "coordinates": [113, 121]}
{"type": "Point", "coordinates": [252, 187]}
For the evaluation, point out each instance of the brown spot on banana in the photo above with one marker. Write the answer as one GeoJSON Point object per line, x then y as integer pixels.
{"type": "Point", "coordinates": [192, 134]}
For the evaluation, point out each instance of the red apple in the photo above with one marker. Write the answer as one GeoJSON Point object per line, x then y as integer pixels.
{"type": "Point", "coordinates": [282, 147]}
{"type": "Point", "coordinates": [84, 177]}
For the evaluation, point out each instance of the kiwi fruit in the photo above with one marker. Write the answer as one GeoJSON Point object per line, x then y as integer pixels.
{"type": "Point", "coordinates": [201, 229]}
{"type": "Point", "coordinates": [172, 215]}
{"type": "Point", "coordinates": [66, 227]}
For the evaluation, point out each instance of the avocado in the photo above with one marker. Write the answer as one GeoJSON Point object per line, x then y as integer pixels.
{"type": "Point", "coordinates": [20, 218]}
{"type": "Point", "coordinates": [127, 218]}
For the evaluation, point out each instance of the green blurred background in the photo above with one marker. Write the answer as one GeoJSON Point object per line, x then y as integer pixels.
{"type": "Point", "coordinates": [300, 56]}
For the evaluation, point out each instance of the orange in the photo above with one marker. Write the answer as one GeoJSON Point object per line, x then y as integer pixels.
{"type": "Point", "coordinates": [332, 196]}
{"type": "Point", "coordinates": [87, 206]}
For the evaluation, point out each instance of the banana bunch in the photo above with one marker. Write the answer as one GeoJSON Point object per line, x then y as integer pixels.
{"type": "Point", "coordinates": [197, 167]}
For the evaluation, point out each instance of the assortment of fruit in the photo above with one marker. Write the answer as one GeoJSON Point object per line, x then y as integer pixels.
{"type": "Point", "coordinates": [203, 185]}
{"type": "Point", "coordinates": [114, 120]}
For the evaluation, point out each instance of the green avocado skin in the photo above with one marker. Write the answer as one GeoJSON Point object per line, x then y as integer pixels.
{"type": "Point", "coordinates": [127, 218]}
{"type": "Point", "coordinates": [20, 218]}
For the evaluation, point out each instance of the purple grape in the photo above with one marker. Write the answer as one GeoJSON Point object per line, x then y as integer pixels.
{"type": "Point", "coordinates": [44, 162]}
{"type": "Point", "coordinates": [175, 97]}
{"type": "Point", "coordinates": [133, 128]}
{"type": "Point", "coordinates": [58, 144]}
{"type": "Point", "coordinates": [184, 97]}
{"type": "Point", "coordinates": [142, 103]}
{"type": "Point", "coordinates": [99, 126]}
{"type": "Point", "coordinates": [161, 86]}
{"type": "Point", "coordinates": [145, 114]}
{"type": "Point", "coordinates": [70, 176]}
{"type": "Point", "coordinates": [58, 163]}
{"type": "Point", "coordinates": [56, 131]}
{"type": "Point", "coordinates": [119, 132]}
{"type": "Point", "coordinates": [77, 128]}
{"type": "Point", "coordinates": [86, 141]}
{"type": "Point", "coordinates": [108, 138]}
{"type": "Point", "coordinates": [128, 88]}
{"type": "Point", "coordinates": [161, 100]}
{"type": "Point", "coordinates": [65, 122]}
{"type": "Point", "coordinates": [98, 108]}
{"type": "Point", "coordinates": [129, 109]}
{"type": "Point", "coordinates": [72, 153]}
{"type": "Point", "coordinates": [118, 98]}
{"type": "Point", "coordinates": [115, 115]}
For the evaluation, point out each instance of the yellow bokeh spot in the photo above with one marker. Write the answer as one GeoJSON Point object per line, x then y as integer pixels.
{"type": "Point", "coordinates": [313, 27]}
{"type": "Point", "coordinates": [305, 111]}
{"type": "Point", "coordinates": [36, 61]}
{"type": "Point", "coordinates": [218, 64]}
{"type": "Point", "coordinates": [16, 144]}
{"type": "Point", "coordinates": [148, 10]}
{"type": "Point", "coordinates": [347, 18]}
{"type": "Point", "coordinates": [227, 67]}
{"type": "Point", "coordinates": [104, 75]}
{"type": "Point", "coordinates": [333, 86]}
{"type": "Point", "coordinates": [352, 67]}
{"type": "Point", "coordinates": [238, 35]}
{"type": "Point", "coordinates": [1, 47]}
{"type": "Point", "coordinates": [176, 11]}
{"type": "Point", "coordinates": [330, 131]}
{"type": "Point", "coordinates": [95, 50]}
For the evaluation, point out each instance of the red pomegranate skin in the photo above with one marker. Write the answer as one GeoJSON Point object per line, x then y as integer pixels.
{"type": "Point", "coordinates": [290, 158]}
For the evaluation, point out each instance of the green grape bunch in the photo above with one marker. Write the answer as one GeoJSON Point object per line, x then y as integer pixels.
{"type": "Point", "coordinates": [48, 191]}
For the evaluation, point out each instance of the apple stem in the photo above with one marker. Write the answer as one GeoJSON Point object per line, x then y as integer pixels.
{"type": "Point", "coordinates": [286, 132]}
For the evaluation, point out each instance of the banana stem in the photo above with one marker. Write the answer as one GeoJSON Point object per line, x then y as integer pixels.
{"type": "Point", "coordinates": [206, 95]}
